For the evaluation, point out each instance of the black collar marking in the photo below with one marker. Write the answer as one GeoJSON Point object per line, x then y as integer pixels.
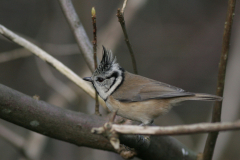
{"type": "Point", "coordinates": [123, 78]}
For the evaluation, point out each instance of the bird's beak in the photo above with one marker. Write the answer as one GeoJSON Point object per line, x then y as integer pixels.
{"type": "Point", "coordinates": [87, 79]}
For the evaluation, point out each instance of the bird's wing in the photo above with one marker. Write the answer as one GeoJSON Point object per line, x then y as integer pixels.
{"type": "Point", "coordinates": [137, 88]}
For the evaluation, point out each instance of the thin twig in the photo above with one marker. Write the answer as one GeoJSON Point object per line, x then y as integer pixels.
{"type": "Point", "coordinates": [124, 6]}
{"type": "Point", "coordinates": [50, 60]}
{"type": "Point", "coordinates": [216, 115]}
{"type": "Point", "coordinates": [108, 33]}
{"type": "Point", "coordinates": [79, 32]}
{"type": "Point", "coordinates": [122, 22]}
{"type": "Point", "coordinates": [94, 42]}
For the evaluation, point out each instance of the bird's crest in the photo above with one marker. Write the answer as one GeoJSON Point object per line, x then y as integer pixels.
{"type": "Point", "coordinates": [108, 61]}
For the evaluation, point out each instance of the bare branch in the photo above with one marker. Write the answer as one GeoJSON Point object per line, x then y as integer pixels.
{"type": "Point", "coordinates": [216, 115]}
{"type": "Point", "coordinates": [50, 60]}
{"type": "Point", "coordinates": [94, 42]}
{"type": "Point", "coordinates": [80, 34]}
{"type": "Point", "coordinates": [108, 34]}
{"type": "Point", "coordinates": [176, 130]}
{"type": "Point", "coordinates": [122, 22]}
{"type": "Point", "coordinates": [75, 127]}
{"type": "Point", "coordinates": [112, 131]}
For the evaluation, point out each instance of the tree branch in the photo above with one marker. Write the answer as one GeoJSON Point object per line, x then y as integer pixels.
{"type": "Point", "coordinates": [94, 42]}
{"type": "Point", "coordinates": [49, 120]}
{"type": "Point", "coordinates": [173, 130]}
{"type": "Point", "coordinates": [122, 22]}
{"type": "Point", "coordinates": [108, 33]}
{"type": "Point", "coordinates": [50, 60]}
{"type": "Point", "coordinates": [216, 115]}
{"type": "Point", "coordinates": [80, 34]}
{"type": "Point", "coordinates": [75, 127]}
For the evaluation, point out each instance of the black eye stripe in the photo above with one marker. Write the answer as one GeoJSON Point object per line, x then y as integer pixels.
{"type": "Point", "coordinates": [115, 74]}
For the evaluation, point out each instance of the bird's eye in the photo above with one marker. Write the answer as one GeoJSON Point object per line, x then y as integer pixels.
{"type": "Point", "coordinates": [99, 79]}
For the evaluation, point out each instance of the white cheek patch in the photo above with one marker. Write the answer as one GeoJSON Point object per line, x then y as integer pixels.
{"type": "Point", "coordinates": [105, 92]}
{"type": "Point", "coordinates": [107, 87]}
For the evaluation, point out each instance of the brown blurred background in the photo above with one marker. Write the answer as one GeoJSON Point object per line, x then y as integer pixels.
{"type": "Point", "coordinates": [176, 42]}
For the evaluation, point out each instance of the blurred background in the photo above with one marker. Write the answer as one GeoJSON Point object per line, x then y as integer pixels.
{"type": "Point", "coordinates": [176, 42]}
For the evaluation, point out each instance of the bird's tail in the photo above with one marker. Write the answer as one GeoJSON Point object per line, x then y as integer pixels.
{"type": "Point", "coordinates": [205, 97]}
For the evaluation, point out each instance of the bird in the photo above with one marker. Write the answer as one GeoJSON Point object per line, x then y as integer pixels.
{"type": "Point", "coordinates": [136, 97]}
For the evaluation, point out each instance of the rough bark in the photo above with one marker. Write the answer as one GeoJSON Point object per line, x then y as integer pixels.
{"type": "Point", "coordinates": [75, 127]}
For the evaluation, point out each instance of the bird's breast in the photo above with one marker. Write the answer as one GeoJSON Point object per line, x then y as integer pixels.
{"type": "Point", "coordinates": [142, 111]}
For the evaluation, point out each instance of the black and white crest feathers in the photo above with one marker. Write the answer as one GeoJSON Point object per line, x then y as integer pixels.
{"type": "Point", "coordinates": [108, 61]}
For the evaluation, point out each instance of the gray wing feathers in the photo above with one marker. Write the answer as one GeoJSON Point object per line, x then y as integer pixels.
{"type": "Point", "coordinates": [138, 88]}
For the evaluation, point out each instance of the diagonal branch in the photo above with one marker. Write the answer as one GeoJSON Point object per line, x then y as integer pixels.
{"type": "Point", "coordinates": [50, 60]}
{"type": "Point", "coordinates": [216, 115]}
{"type": "Point", "coordinates": [80, 34]}
{"type": "Point", "coordinates": [122, 22]}
{"type": "Point", "coordinates": [75, 127]}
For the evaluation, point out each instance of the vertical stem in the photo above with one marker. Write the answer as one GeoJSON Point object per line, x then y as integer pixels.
{"type": "Point", "coordinates": [122, 22]}
{"type": "Point", "coordinates": [216, 115]}
{"type": "Point", "coordinates": [94, 42]}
